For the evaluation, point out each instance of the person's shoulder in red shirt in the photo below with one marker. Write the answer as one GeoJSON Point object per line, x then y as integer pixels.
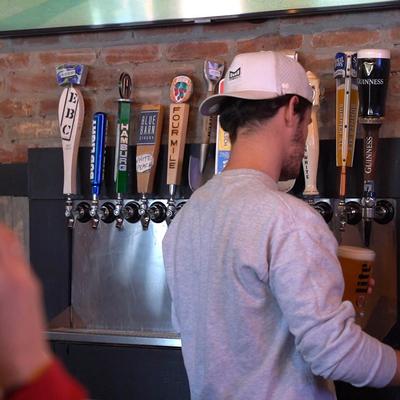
{"type": "Point", "coordinates": [53, 382]}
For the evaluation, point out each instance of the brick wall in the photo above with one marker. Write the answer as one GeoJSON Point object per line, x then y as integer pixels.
{"type": "Point", "coordinates": [153, 56]}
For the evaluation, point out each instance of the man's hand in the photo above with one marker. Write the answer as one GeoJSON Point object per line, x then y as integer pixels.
{"type": "Point", "coordinates": [23, 348]}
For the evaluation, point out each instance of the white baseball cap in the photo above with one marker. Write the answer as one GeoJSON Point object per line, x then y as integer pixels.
{"type": "Point", "coordinates": [260, 76]}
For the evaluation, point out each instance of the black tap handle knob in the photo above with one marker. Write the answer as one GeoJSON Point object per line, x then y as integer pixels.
{"type": "Point", "coordinates": [107, 212]}
{"type": "Point", "coordinates": [384, 212]}
{"type": "Point", "coordinates": [83, 211]}
{"type": "Point", "coordinates": [324, 209]}
{"type": "Point", "coordinates": [131, 212]}
{"type": "Point", "coordinates": [158, 212]}
{"type": "Point", "coordinates": [353, 212]}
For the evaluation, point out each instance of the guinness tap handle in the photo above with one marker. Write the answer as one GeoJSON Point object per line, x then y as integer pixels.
{"type": "Point", "coordinates": [372, 78]}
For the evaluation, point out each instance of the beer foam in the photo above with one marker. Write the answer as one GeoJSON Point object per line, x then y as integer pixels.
{"type": "Point", "coordinates": [356, 253]}
{"type": "Point", "coordinates": [373, 53]}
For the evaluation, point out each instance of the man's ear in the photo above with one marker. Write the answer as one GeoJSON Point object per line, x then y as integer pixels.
{"type": "Point", "coordinates": [291, 117]}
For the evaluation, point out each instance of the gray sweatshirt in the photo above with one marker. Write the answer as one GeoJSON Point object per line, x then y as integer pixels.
{"type": "Point", "coordinates": [256, 289]}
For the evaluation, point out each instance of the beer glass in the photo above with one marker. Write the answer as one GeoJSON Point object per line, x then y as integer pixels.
{"type": "Point", "coordinates": [357, 263]}
{"type": "Point", "coordinates": [372, 79]}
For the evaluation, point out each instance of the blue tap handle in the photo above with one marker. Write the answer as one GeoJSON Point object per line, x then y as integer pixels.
{"type": "Point", "coordinates": [99, 130]}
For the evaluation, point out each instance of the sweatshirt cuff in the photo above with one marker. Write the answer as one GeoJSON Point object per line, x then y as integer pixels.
{"type": "Point", "coordinates": [386, 372]}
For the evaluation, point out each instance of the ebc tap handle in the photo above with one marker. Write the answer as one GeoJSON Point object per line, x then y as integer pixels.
{"type": "Point", "coordinates": [71, 111]}
{"type": "Point", "coordinates": [99, 129]}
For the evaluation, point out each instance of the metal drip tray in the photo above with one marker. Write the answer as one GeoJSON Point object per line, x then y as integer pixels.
{"type": "Point", "coordinates": [115, 337]}
{"type": "Point", "coordinates": [119, 291]}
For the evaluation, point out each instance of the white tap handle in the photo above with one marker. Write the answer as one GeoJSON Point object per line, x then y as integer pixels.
{"type": "Point", "coordinates": [311, 153]}
{"type": "Point", "coordinates": [70, 116]}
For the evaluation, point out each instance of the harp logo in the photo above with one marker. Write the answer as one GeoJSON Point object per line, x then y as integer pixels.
{"type": "Point", "coordinates": [368, 67]}
{"type": "Point", "coordinates": [234, 74]}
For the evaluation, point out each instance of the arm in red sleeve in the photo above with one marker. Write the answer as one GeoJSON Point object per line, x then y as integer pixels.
{"type": "Point", "coordinates": [53, 383]}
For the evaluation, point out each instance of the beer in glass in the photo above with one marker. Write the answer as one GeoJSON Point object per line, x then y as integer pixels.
{"type": "Point", "coordinates": [372, 79]}
{"type": "Point", "coordinates": [357, 263]}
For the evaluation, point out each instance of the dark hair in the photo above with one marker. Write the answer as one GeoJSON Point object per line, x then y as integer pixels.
{"type": "Point", "coordinates": [235, 113]}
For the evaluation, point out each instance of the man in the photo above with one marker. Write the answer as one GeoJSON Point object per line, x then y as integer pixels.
{"type": "Point", "coordinates": [255, 281]}
{"type": "Point", "coordinates": [28, 370]}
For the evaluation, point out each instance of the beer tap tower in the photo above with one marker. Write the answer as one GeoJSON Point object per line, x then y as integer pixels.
{"type": "Point", "coordinates": [122, 145]}
{"type": "Point", "coordinates": [71, 110]}
{"type": "Point", "coordinates": [148, 147]}
{"type": "Point", "coordinates": [99, 130]}
{"type": "Point", "coordinates": [373, 69]}
{"type": "Point", "coordinates": [346, 129]}
{"type": "Point", "coordinates": [180, 92]}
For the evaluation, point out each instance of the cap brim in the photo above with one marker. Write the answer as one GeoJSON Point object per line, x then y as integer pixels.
{"type": "Point", "coordinates": [211, 105]}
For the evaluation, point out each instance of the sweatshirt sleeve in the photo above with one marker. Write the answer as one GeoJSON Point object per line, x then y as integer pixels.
{"type": "Point", "coordinates": [53, 383]}
{"type": "Point", "coordinates": [306, 278]}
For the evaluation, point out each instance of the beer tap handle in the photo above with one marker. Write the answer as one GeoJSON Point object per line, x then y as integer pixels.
{"type": "Point", "coordinates": [122, 137]}
{"type": "Point", "coordinates": [148, 139]}
{"type": "Point", "coordinates": [71, 111]}
{"type": "Point", "coordinates": [346, 121]}
{"type": "Point", "coordinates": [122, 144]}
{"type": "Point", "coordinates": [99, 130]}
{"type": "Point", "coordinates": [369, 195]}
{"type": "Point", "coordinates": [311, 154]}
{"type": "Point", "coordinates": [213, 73]}
{"type": "Point", "coordinates": [223, 142]}
{"type": "Point", "coordinates": [372, 77]}
{"type": "Point", "coordinates": [180, 91]}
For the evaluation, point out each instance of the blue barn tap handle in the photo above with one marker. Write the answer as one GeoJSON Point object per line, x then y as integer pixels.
{"type": "Point", "coordinates": [99, 130]}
